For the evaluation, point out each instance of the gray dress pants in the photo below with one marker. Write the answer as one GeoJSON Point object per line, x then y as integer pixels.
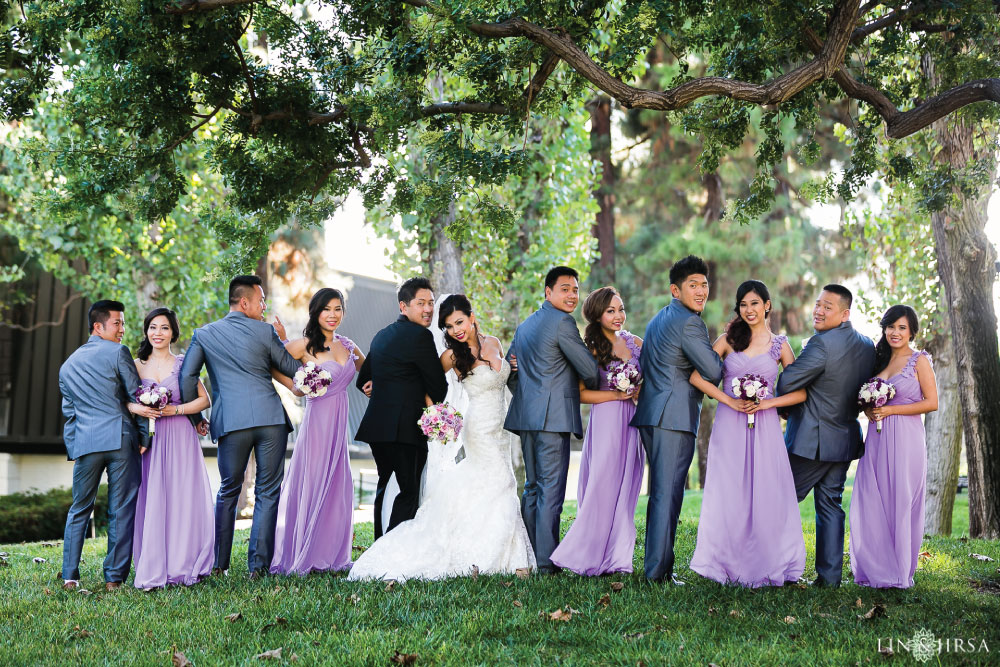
{"type": "Point", "coordinates": [546, 464]}
{"type": "Point", "coordinates": [669, 455]}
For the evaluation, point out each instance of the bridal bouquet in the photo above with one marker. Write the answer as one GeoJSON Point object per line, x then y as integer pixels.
{"type": "Point", "coordinates": [624, 376]}
{"type": "Point", "coordinates": [750, 387]}
{"type": "Point", "coordinates": [155, 396]}
{"type": "Point", "coordinates": [441, 422]}
{"type": "Point", "coordinates": [312, 380]}
{"type": "Point", "coordinates": [874, 394]}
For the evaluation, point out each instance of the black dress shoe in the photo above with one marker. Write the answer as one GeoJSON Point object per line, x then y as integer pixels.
{"type": "Point", "coordinates": [548, 569]}
{"type": "Point", "coordinates": [256, 574]}
{"type": "Point", "coordinates": [823, 583]}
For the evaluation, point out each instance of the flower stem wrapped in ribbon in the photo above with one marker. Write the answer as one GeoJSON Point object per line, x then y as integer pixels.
{"type": "Point", "coordinates": [441, 422]}
{"type": "Point", "coordinates": [155, 396]}
{"type": "Point", "coordinates": [751, 387]}
{"type": "Point", "coordinates": [874, 394]}
{"type": "Point", "coordinates": [312, 380]}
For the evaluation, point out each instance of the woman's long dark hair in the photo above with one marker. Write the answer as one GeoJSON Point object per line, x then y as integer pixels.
{"type": "Point", "coordinates": [593, 336]}
{"type": "Point", "coordinates": [313, 333]}
{"type": "Point", "coordinates": [883, 353]}
{"type": "Point", "coordinates": [464, 359]}
{"type": "Point", "coordinates": [738, 331]}
{"type": "Point", "coordinates": [145, 347]}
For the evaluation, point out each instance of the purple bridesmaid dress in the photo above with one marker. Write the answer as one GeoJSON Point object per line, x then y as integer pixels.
{"type": "Point", "coordinates": [174, 514]}
{"type": "Point", "coordinates": [602, 539]}
{"type": "Point", "coordinates": [887, 505]}
{"type": "Point", "coordinates": [750, 531]}
{"type": "Point", "coordinates": [315, 512]}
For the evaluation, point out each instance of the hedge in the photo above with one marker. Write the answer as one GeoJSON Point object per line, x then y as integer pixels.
{"type": "Point", "coordinates": [35, 516]}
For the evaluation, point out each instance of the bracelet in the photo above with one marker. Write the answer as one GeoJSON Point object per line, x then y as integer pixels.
{"type": "Point", "coordinates": [180, 410]}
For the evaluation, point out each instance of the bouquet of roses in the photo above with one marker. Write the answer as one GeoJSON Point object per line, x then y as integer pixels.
{"type": "Point", "coordinates": [441, 422]}
{"type": "Point", "coordinates": [624, 376]}
{"type": "Point", "coordinates": [874, 394]}
{"type": "Point", "coordinates": [312, 380]}
{"type": "Point", "coordinates": [155, 396]}
{"type": "Point", "coordinates": [750, 387]}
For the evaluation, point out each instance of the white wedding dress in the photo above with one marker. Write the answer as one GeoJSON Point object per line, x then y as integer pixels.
{"type": "Point", "coordinates": [469, 516]}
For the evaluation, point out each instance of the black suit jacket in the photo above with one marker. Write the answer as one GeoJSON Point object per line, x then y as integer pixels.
{"type": "Point", "coordinates": [403, 365]}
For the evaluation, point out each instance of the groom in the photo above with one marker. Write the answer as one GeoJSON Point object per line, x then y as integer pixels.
{"type": "Point", "coordinates": [669, 406]}
{"type": "Point", "coordinates": [403, 367]}
{"type": "Point", "coordinates": [240, 350]}
{"type": "Point", "coordinates": [823, 435]}
{"type": "Point", "coordinates": [551, 360]}
{"type": "Point", "coordinates": [98, 383]}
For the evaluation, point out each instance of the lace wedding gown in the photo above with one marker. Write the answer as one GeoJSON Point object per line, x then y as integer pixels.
{"type": "Point", "coordinates": [470, 514]}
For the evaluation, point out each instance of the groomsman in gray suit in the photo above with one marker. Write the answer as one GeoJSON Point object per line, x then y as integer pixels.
{"type": "Point", "coordinates": [98, 383]}
{"type": "Point", "coordinates": [823, 435]}
{"type": "Point", "coordinates": [548, 360]}
{"type": "Point", "coordinates": [240, 350]}
{"type": "Point", "coordinates": [669, 406]}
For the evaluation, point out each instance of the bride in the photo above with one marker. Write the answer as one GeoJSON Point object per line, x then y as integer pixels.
{"type": "Point", "coordinates": [469, 518]}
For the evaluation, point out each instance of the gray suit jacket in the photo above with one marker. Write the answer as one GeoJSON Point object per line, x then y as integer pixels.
{"type": "Point", "coordinates": [551, 361]}
{"type": "Point", "coordinates": [239, 353]}
{"type": "Point", "coordinates": [676, 343]}
{"type": "Point", "coordinates": [97, 382]}
{"type": "Point", "coordinates": [832, 367]}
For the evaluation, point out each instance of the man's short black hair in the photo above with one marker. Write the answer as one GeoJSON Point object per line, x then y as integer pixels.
{"type": "Point", "coordinates": [243, 286]}
{"type": "Point", "coordinates": [688, 266]}
{"type": "Point", "coordinates": [101, 311]}
{"type": "Point", "coordinates": [845, 294]}
{"type": "Point", "coordinates": [408, 290]}
{"type": "Point", "coordinates": [554, 274]}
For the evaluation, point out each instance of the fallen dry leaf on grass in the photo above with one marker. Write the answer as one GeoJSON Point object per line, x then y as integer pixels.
{"type": "Point", "coordinates": [273, 654]}
{"type": "Point", "coordinates": [522, 572]}
{"type": "Point", "coordinates": [825, 615]}
{"type": "Point", "coordinates": [178, 659]}
{"type": "Point", "coordinates": [354, 599]}
{"type": "Point", "coordinates": [604, 601]}
{"type": "Point", "coordinates": [712, 610]}
{"type": "Point", "coordinates": [517, 603]}
{"type": "Point", "coordinates": [858, 603]}
{"type": "Point", "coordinates": [80, 633]}
{"type": "Point", "coordinates": [875, 612]}
{"type": "Point", "coordinates": [403, 658]}
{"type": "Point", "coordinates": [925, 555]}
{"type": "Point", "coordinates": [617, 586]}
{"type": "Point", "coordinates": [789, 619]}
{"type": "Point", "coordinates": [981, 557]}
{"type": "Point", "coordinates": [735, 613]}
{"type": "Point", "coordinates": [475, 572]}
{"type": "Point", "coordinates": [84, 591]}
{"type": "Point", "coordinates": [275, 623]}
{"type": "Point", "coordinates": [560, 614]}
{"type": "Point", "coordinates": [39, 559]}
{"type": "Point", "coordinates": [507, 584]}
{"type": "Point", "coordinates": [47, 591]}
{"type": "Point", "coordinates": [390, 585]}
{"type": "Point", "coordinates": [633, 635]}
{"type": "Point", "coordinates": [232, 618]}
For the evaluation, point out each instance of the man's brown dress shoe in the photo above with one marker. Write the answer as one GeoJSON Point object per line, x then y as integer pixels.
{"type": "Point", "coordinates": [113, 585]}
{"type": "Point", "coordinates": [71, 585]}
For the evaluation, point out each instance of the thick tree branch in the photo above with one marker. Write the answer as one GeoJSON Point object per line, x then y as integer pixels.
{"type": "Point", "coordinates": [191, 6]}
{"type": "Point", "coordinates": [463, 107]}
{"type": "Point", "coordinates": [537, 82]}
{"type": "Point", "coordinates": [899, 124]}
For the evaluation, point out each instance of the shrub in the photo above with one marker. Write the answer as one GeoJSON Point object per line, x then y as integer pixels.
{"type": "Point", "coordinates": [35, 516]}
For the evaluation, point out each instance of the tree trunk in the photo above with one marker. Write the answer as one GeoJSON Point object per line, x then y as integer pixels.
{"type": "Point", "coordinates": [967, 265]}
{"type": "Point", "coordinates": [603, 271]}
{"type": "Point", "coordinates": [445, 257]}
{"type": "Point", "coordinates": [944, 440]}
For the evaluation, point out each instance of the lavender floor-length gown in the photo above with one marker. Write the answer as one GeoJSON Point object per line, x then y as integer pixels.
{"type": "Point", "coordinates": [174, 515]}
{"type": "Point", "coordinates": [750, 531]}
{"type": "Point", "coordinates": [887, 504]}
{"type": "Point", "coordinates": [602, 539]}
{"type": "Point", "coordinates": [315, 512]}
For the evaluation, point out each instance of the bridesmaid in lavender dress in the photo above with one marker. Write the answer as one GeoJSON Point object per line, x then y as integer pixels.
{"type": "Point", "coordinates": [315, 512]}
{"type": "Point", "coordinates": [887, 506]}
{"type": "Point", "coordinates": [602, 539]}
{"type": "Point", "coordinates": [174, 515]}
{"type": "Point", "coordinates": [750, 531]}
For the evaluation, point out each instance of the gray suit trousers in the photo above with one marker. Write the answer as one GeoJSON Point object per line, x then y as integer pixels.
{"type": "Point", "coordinates": [669, 454]}
{"type": "Point", "coordinates": [268, 444]}
{"type": "Point", "coordinates": [124, 475]}
{"type": "Point", "coordinates": [826, 480]}
{"type": "Point", "coordinates": [546, 464]}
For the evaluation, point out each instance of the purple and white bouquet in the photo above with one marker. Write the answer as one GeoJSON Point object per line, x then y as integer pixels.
{"type": "Point", "coordinates": [312, 380]}
{"type": "Point", "coordinates": [155, 396]}
{"type": "Point", "coordinates": [441, 422]}
{"type": "Point", "coordinates": [623, 376]}
{"type": "Point", "coordinates": [874, 394]}
{"type": "Point", "coordinates": [751, 387]}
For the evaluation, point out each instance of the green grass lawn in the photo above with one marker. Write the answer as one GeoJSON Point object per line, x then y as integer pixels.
{"type": "Point", "coordinates": [323, 619]}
